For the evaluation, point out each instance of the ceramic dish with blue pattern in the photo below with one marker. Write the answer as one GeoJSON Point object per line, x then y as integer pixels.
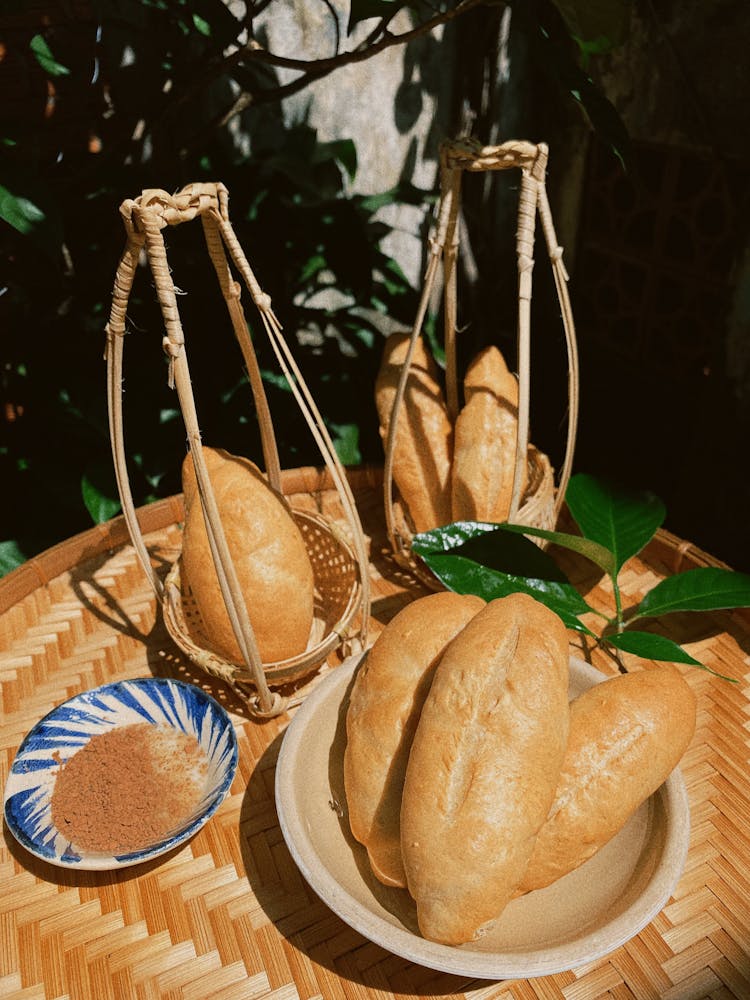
{"type": "Point", "coordinates": [168, 704]}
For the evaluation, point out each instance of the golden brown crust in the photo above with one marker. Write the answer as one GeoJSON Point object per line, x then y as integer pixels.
{"type": "Point", "coordinates": [384, 708]}
{"type": "Point", "coordinates": [423, 447]}
{"type": "Point", "coordinates": [486, 437]}
{"type": "Point", "coordinates": [627, 734]}
{"type": "Point", "coordinates": [484, 765]}
{"type": "Point", "coordinates": [269, 556]}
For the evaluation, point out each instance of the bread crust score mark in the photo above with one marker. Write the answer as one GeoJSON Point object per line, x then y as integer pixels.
{"type": "Point", "coordinates": [485, 442]}
{"type": "Point", "coordinates": [384, 708]}
{"type": "Point", "coordinates": [627, 735]}
{"type": "Point", "coordinates": [268, 552]}
{"type": "Point", "coordinates": [423, 446]}
{"type": "Point", "coordinates": [484, 766]}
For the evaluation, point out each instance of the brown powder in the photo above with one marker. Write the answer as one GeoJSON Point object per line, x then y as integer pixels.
{"type": "Point", "coordinates": [128, 787]}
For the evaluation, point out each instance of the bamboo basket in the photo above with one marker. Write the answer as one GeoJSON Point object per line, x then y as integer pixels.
{"type": "Point", "coordinates": [540, 504]}
{"type": "Point", "coordinates": [338, 554]}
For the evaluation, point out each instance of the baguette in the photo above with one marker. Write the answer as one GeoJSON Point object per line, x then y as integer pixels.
{"type": "Point", "coordinates": [384, 708]}
{"type": "Point", "coordinates": [423, 447]}
{"type": "Point", "coordinates": [486, 439]}
{"type": "Point", "coordinates": [484, 766]}
{"type": "Point", "coordinates": [627, 734]}
{"type": "Point", "coordinates": [269, 556]}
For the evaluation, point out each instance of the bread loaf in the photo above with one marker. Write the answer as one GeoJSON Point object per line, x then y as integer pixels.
{"type": "Point", "coordinates": [484, 766]}
{"type": "Point", "coordinates": [485, 443]}
{"type": "Point", "coordinates": [627, 734]}
{"type": "Point", "coordinates": [423, 445]}
{"type": "Point", "coordinates": [268, 553]}
{"type": "Point", "coordinates": [384, 708]}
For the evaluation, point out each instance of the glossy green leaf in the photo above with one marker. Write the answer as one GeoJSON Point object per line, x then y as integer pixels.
{"type": "Point", "coordinates": [703, 589]}
{"type": "Point", "coordinates": [11, 556]}
{"type": "Point", "coordinates": [598, 554]}
{"type": "Point", "coordinates": [657, 647]}
{"type": "Point", "coordinates": [44, 57]}
{"type": "Point", "coordinates": [621, 520]}
{"type": "Point", "coordinates": [464, 576]}
{"type": "Point", "coordinates": [476, 558]}
{"type": "Point", "coordinates": [100, 506]}
{"type": "Point", "coordinates": [29, 207]}
{"type": "Point", "coordinates": [345, 439]}
{"type": "Point", "coordinates": [650, 646]}
{"type": "Point", "coordinates": [202, 25]}
{"type": "Point", "coordinates": [19, 212]}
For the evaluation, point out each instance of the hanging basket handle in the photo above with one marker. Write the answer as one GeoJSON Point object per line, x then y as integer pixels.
{"type": "Point", "coordinates": [144, 219]}
{"type": "Point", "coordinates": [457, 156]}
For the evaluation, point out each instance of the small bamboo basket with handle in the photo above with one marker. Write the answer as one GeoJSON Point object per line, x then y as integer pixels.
{"type": "Point", "coordinates": [540, 504]}
{"type": "Point", "coordinates": [337, 552]}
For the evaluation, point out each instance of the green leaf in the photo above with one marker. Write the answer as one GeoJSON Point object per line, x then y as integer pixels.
{"type": "Point", "coordinates": [11, 556]}
{"type": "Point", "coordinates": [657, 647]}
{"type": "Point", "coordinates": [598, 554]}
{"type": "Point", "coordinates": [650, 646]}
{"type": "Point", "coordinates": [345, 439]}
{"type": "Point", "coordinates": [100, 506]}
{"type": "Point", "coordinates": [703, 589]}
{"type": "Point", "coordinates": [30, 208]}
{"type": "Point", "coordinates": [19, 212]}
{"type": "Point", "coordinates": [475, 558]}
{"type": "Point", "coordinates": [44, 57]}
{"type": "Point", "coordinates": [314, 265]}
{"type": "Point", "coordinates": [464, 576]}
{"type": "Point", "coordinates": [343, 151]}
{"type": "Point", "coordinates": [202, 25]}
{"type": "Point", "coordinates": [554, 52]}
{"type": "Point", "coordinates": [276, 379]}
{"type": "Point", "coordinates": [623, 521]}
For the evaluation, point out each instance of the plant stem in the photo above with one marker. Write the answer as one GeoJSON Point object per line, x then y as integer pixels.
{"type": "Point", "coordinates": [618, 604]}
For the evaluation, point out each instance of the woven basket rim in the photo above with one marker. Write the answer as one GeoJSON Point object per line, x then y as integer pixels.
{"type": "Point", "coordinates": [279, 671]}
{"type": "Point", "coordinates": [537, 510]}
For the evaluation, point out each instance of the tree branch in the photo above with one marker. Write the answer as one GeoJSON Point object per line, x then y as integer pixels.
{"type": "Point", "coordinates": [377, 41]}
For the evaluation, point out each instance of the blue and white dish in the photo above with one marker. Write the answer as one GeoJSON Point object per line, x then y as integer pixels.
{"type": "Point", "coordinates": [67, 728]}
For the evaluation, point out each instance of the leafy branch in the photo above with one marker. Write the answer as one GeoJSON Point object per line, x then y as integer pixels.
{"type": "Point", "coordinates": [494, 560]}
{"type": "Point", "coordinates": [378, 39]}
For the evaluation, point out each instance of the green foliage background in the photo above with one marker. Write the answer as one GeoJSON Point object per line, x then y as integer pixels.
{"type": "Point", "coordinates": [134, 94]}
{"type": "Point", "coordinates": [61, 240]}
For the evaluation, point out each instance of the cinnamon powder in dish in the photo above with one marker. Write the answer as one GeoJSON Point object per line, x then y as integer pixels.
{"type": "Point", "coordinates": [126, 788]}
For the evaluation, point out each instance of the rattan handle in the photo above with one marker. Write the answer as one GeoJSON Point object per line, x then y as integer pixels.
{"type": "Point", "coordinates": [446, 225]}
{"type": "Point", "coordinates": [115, 332]}
{"type": "Point", "coordinates": [468, 154]}
{"type": "Point", "coordinates": [457, 156]}
{"type": "Point", "coordinates": [145, 219]}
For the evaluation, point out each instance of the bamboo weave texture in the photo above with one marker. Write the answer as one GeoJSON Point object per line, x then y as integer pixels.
{"type": "Point", "coordinates": [229, 916]}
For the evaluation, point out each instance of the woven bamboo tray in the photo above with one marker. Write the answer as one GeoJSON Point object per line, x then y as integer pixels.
{"type": "Point", "coordinates": [229, 915]}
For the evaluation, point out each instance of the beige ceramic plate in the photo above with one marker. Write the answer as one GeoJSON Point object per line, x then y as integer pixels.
{"type": "Point", "coordinates": [579, 918]}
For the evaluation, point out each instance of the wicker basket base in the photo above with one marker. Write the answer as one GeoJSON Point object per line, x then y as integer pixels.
{"type": "Point", "coordinates": [337, 602]}
{"type": "Point", "coordinates": [537, 510]}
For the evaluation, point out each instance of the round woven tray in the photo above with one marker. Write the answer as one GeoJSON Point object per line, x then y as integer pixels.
{"type": "Point", "coordinates": [229, 915]}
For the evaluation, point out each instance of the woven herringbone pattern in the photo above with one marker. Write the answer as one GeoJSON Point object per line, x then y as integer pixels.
{"type": "Point", "coordinates": [229, 916]}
